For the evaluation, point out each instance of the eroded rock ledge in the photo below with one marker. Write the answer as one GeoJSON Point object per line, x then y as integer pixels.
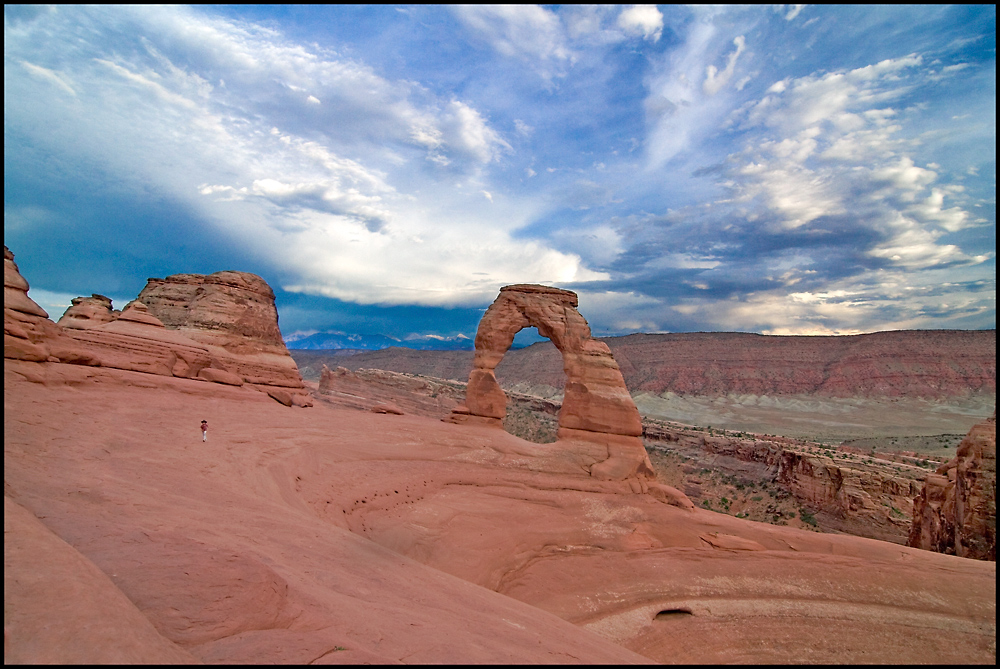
{"type": "Point", "coordinates": [220, 328]}
{"type": "Point", "coordinates": [956, 511]}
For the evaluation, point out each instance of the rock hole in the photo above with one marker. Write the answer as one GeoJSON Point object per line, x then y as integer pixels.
{"type": "Point", "coordinates": [531, 423]}
{"type": "Point", "coordinates": [672, 614]}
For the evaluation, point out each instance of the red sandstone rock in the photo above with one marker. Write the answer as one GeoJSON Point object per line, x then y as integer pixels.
{"type": "Point", "coordinates": [955, 513]}
{"type": "Point", "coordinates": [232, 310]}
{"type": "Point", "coordinates": [596, 404]}
{"type": "Point", "coordinates": [388, 408]}
{"type": "Point", "coordinates": [222, 328]}
{"type": "Point", "coordinates": [59, 608]}
{"type": "Point", "coordinates": [220, 376]}
{"type": "Point", "coordinates": [28, 333]}
{"type": "Point", "coordinates": [279, 395]}
{"type": "Point", "coordinates": [15, 289]}
{"type": "Point", "coordinates": [137, 312]}
{"type": "Point", "coordinates": [233, 315]}
{"type": "Point", "coordinates": [292, 534]}
{"type": "Point", "coordinates": [88, 312]}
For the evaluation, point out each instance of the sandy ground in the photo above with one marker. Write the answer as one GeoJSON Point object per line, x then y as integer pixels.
{"type": "Point", "coordinates": [332, 535]}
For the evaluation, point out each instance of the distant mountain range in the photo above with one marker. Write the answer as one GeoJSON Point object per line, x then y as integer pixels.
{"type": "Point", "coordinates": [327, 341]}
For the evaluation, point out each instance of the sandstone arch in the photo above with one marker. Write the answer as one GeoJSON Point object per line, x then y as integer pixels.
{"type": "Point", "coordinates": [597, 407]}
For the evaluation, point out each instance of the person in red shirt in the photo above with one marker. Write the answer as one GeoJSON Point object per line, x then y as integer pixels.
{"type": "Point", "coordinates": [204, 430]}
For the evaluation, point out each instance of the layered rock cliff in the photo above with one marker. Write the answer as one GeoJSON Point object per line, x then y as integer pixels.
{"type": "Point", "coordinates": [956, 511]}
{"type": "Point", "coordinates": [881, 364]}
{"type": "Point", "coordinates": [919, 363]}
{"type": "Point", "coordinates": [234, 316]}
{"type": "Point", "coordinates": [849, 492]}
{"type": "Point", "coordinates": [225, 332]}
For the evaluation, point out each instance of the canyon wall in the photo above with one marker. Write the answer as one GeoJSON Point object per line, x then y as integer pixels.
{"type": "Point", "coordinates": [956, 510]}
{"type": "Point", "coordinates": [914, 363]}
{"type": "Point", "coordinates": [851, 492]}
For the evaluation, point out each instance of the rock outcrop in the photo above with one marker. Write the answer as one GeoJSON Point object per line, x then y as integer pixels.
{"type": "Point", "coordinates": [28, 334]}
{"type": "Point", "coordinates": [848, 491]}
{"type": "Point", "coordinates": [956, 512]}
{"type": "Point", "coordinates": [596, 408]}
{"type": "Point", "coordinates": [221, 335]}
{"type": "Point", "coordinates": [233, 315]}
{"type": "Point", "coordinates": [88, 312]}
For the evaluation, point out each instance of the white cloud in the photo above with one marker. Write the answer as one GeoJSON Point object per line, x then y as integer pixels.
{"type": "Point", "coordinates": [715, 80]}
{"type": "Point", "coordinates": [794, 11]}
{"type": "Point", "coordinates": [825, 145]}
{"type": "Point", "coordinates": [529, 33]}
{"type": "Point", "coordinates": [643, 20]}
{"type": "Point", "coordinates": [688, 96]}
{"type": "Point", "coordinates": [56, 79]}
{"type": "Point", "coordinates": [356, 186]}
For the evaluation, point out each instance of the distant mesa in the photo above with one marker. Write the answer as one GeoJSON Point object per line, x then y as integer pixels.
{"type": "Point", "coordinates": [956, 512]}
{"type": "Point", "coordinates": [220, 328]}
{"type": "Point", "coordinates": [597, 408]}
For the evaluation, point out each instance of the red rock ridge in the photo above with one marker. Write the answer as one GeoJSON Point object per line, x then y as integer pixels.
{"type": "Point", "coordinates": [912, 363]}
{"type": "Point", "coordinates": [234, 316]}
{"type": "Point", "coordinates": [230, 341]}
{"type": "Point", "coordinates": [956, 512]}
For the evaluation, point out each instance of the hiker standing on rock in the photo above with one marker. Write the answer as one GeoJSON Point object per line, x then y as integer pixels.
{"type": "Point", "coordinates": [204, 430]}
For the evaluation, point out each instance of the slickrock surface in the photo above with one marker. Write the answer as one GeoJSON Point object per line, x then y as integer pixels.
{"type": "Point", "coordinates": [956, 511]}
{"type": "Point", "coordinates": [241, 347]}
{"type": "Point", "coordinates": [766, 478]}
{"type": "Point", "coordinates": [338, 535]}
{"type": "Point", "coordinates": [596, 405]}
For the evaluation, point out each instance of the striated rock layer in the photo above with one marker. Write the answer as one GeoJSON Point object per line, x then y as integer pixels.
{"type": "Point", "coordinates": [88, 312]}
{"type": "Point", "coordinates": [233, 315]}
{"type": "Point", "coordinates": [227, 332]}
{"type": "Point", "coordinates": [596, 408]}
{"type": "Point", "coordinates": [913, 363]}
{"type": "Point", "coordinates": [28, 334]}
{"type": "Point", "coordinates": [956, 512]}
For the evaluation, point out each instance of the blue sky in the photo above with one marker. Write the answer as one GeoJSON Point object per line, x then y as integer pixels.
{"type": "Point", "coordinates": [787, 170]}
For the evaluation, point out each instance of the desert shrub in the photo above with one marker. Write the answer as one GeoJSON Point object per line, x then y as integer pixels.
{"type": "Point", "coordinates": [808, 517]}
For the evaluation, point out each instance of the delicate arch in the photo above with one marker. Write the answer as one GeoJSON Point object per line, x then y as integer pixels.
{"type": "Point", "coordinates": [596, 403]}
